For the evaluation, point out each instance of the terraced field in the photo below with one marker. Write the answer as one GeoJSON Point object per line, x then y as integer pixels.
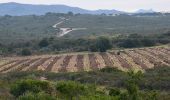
{"type": "Point", "coordinates": [138, 59]}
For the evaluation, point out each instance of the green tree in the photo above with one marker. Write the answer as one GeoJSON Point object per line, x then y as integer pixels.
{"type": "Point", "coordinates": [44, 43]}
{"type": "Point", "coordinates": [26, 52]}
{"type": "Point", "coordinates": [131, 43]}
{"type": "Point", "coordinates": [103, 44]}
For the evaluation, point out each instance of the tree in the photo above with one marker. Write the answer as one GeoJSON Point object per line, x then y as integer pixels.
{"type": "Point", "coordinates": [1, 45]}
{"type": "Point", "coordinates": [26, 52]}
{"type": "Point", "coordinates": [70, 13]}
{"type": "Point", "coordinates": [148, 42]}
{"type": "Point", "coordinates": [43, 43]}
{"type": "Point", "coordinates": [131, 43]}
{"type": "Point", "coordinates": [103, 44]}
{"type": "Point", "coordinates": [93, 48]}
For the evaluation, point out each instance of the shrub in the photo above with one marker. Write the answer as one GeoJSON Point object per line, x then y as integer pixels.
{"type": "Point", "coordinates": [110, 70]}
{"type": "Point", "coordinates": [35, 86]}
{"type": "Point", "coordinates": [26, 52]}
{"type": "Point", "coordinates": [98, 97]}
{"type": "Point", "coordinates": [132, 84]}
{"type": "Point", "coordinates": [124, 96]}
{"type": "Point", "coordinates": [71, 89]}
{"type": "Point", "coordinates": [37, 96]}
{"type": "Point", "coordinates": [114, 92]}
{"type": "Point", "coordinates": [101, 44]}
{"type": "Point", "coordinates": [44, 43]}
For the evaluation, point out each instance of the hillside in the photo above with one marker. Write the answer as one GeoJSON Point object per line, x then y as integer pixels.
{"type": "Point", "coordinates": [19, 28]}
{"type": "Point", "coordinates": [122, 24]}
{"type": "Point", "coordinates": [137, 59]}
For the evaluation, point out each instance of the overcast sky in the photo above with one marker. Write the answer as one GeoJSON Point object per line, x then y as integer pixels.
{"type": "Point", "coordinates": [124, 5]}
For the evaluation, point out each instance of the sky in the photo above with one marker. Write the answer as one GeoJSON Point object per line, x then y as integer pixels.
{"type": "Point", "coordinates": [122, 5]}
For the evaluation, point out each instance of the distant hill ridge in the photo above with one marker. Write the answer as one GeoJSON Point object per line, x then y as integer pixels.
{"type": "Point", "coordinates": [145, 11]}
{"type": "Point", "coordinates": [18, 9]}
{"type": "Point", "coordinates": [13, 8]}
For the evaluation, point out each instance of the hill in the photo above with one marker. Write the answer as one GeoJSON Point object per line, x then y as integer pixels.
{"type": "Point", "coordinates": [121, 24]}
{"type": "Point", "coordinates": [145, 11]}
{"type": "Point", "coordinates": [31, 27]}
{"type": "Point", "coordinates": [17, 9]}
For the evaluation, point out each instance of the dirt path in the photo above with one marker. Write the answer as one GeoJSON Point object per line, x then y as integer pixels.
{"type": "Point", "coordinates": [64, 31]}
{"type": "Point", "coordinates": [55, 25]}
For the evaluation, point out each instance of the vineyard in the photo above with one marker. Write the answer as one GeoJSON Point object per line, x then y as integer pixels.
{"type": "Point", "coordinates": [137, 59]}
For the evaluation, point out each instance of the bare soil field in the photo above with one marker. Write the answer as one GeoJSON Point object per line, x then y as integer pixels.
{"type": "Point", "coordinates": [136, 59]}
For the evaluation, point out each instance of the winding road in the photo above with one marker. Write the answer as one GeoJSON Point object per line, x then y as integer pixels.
{"type": "Point", "coordinates": [64, 31]}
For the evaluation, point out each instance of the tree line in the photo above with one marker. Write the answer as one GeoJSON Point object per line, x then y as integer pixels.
{"type": "Point", "coordinates": [97, 44]}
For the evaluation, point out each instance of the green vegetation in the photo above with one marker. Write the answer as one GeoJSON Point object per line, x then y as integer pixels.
{"type": "Point", "coordinates": [25, 52]}
{"type": "Point", "coordinates": [27, 28]}
{"type": "Point", "coordinates": [102, 44]}
{"type": "Point", "coordinates": [72, 89]}
{"type": "Point", "coordinates": [27, 35]}
{"type": "Point", "coordinates": [96, 44]}
{"type": "Point", "coordinates": [36, 33]}
{"type": "Point", "coordinates": [105, 84]}
{"type": "Point", "coordinates": [44, 43]}
{"type": "Point", "coordinates": [36, 96]}
{"type": "Point", "coordinates": [32, 27]}
{"type": "Point", "coordinates": [122, 24]}
{"type": "Point", "coordinates": [34, 86]}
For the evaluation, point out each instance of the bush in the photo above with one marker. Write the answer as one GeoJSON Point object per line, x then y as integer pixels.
{"type": "Point", "coordinates": [71, 89]}
{"type": "Point", "coordinates": [43, 43]}
{"type": "Point", "coordinates": [102, 44]}
{"type": "Point", "coordinates": [114, 92]}
{"type": "Point", "coordinates": [124, 96]}
{"type": "Point", "coordinates": [34, 86]}
{"type": "Point", "coordinates": [110, 70]}
{"type": "Point", "coordinates": [130, 43]}
{"type": "Point", "coordinates": [98, 97]}
{"type": "Point", "coordinates": [93, 48]}
{"type": "Point", "coordinates": [37, 96]}
{"type": "Point", "coordinates": [26, 52]}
